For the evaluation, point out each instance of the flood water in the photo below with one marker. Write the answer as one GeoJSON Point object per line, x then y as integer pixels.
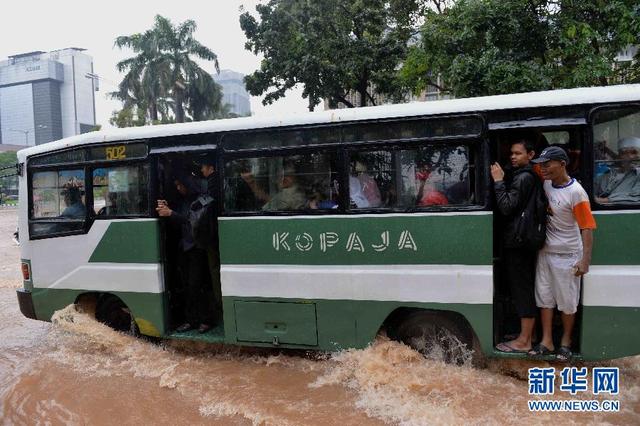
{"type": "Point", "coordinates": [76, 371]}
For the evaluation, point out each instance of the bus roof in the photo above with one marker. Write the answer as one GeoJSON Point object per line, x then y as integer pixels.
{"type": "Point", "coordinates": [591, 95]}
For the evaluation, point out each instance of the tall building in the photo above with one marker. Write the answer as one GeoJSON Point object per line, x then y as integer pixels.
{"type": "Point", "coordinates": [45, 96]}
{"type": "Point", "coordinates": [234, 92]}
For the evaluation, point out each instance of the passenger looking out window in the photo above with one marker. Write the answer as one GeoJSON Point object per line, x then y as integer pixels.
{"type": "Point", "coordinates": [73, 200]}
{"type": "Point", "coordinates": [293, 183]}
{"type": "Point", "coordinates": [619, 180]}
{"type": "Point", "coordinates": [427, 194]}
{"type": "Point", "coordinates": [363, 189]}
{"type": "Point", "coordinates": [58, 194]}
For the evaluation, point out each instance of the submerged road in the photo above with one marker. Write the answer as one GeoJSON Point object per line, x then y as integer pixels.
{"type": "Point", "coordinates": [77, 371]}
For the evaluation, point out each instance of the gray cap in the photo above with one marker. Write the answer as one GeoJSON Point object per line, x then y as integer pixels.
{"type": "Point", "coordinates": [630, 142]}
{"type": "Point", "coordinates": [552, 153]}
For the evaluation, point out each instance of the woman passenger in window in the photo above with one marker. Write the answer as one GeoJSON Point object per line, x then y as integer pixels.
{"type": "Point", "coordinates": [364, 186]}
{"type": "Point", "coordinates": [428, 195]}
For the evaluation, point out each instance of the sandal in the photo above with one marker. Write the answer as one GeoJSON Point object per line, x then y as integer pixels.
{"type": "Point", "coordinates": [564, 354]}
{"type": "Point", "coordinates": [507, 348]}
{"type": "Point", "coordinates": [540, 350]}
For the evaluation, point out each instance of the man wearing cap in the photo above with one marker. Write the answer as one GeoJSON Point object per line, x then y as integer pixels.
{"type": "Point", "coordinates": [621, 184]}
{"type": "Point", "coordinates": [566, 254]}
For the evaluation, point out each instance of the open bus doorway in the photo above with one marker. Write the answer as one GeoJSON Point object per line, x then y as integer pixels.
{"type": "Point", "coordinates": [192, 264]}
{"type": "Point", "coordinates": [506, 318]}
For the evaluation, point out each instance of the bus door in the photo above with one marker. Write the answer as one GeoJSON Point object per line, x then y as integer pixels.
{"type": "Point", "coordinates": [565, 132]}
{"type": "Point", "coordinates": [611, 290]}
{"type": "Point", "coordinates": [180, 163]}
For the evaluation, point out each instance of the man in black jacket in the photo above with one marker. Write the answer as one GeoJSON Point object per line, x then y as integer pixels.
{"type": "Point", "coordinates": [192, 259]}
{"type": "Point", "coordinates": [519, 262]}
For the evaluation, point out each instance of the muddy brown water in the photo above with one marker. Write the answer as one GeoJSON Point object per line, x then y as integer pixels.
{"type": "Point", "coordinates": [75, 371]}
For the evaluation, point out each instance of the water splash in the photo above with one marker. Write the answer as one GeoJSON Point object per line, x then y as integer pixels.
{"type": "Point", "coordinates": [386, 383]}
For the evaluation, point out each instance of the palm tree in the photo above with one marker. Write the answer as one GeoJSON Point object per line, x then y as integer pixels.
{"type": "Point", "coordinates": [163, 72]}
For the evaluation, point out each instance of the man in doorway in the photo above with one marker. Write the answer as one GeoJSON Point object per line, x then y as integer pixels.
{"type": "Point", "coordinates": [208, 170]}
{"type": "Point", "coordinates": [192, 259]}
{"type": "Point", "coordinates": [566, 255]}
{"type": "Point", "coordinates": [519, 262]}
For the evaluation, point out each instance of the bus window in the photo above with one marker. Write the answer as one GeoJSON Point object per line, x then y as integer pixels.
{"type": "Point", "coordinates": [616, 136]}
{"type": "Point", "coordinates": [435, 175]}
{"type": "Point", "coordinates": [58, 202]}
{"type": "Point", "coordinates": [58, 194]}
{"type": "Point", "coordinates": [286, 183]}
{"type": "Point", "coordinates": [120, 191]}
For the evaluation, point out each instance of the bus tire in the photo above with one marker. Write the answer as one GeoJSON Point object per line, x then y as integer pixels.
{"type": "Point", "coordinates": [436, 336]}
{"type": "Point", "coordinates": [111, 311]}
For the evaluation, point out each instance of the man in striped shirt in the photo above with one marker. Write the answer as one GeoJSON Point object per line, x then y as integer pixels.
{"type": "Point", "coordinates": [566, 254]}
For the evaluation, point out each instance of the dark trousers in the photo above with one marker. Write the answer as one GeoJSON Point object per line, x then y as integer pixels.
{"type": "Point", "coordinates": [520, 273]}
{"type": "Point", "coordinates": [195, 277]}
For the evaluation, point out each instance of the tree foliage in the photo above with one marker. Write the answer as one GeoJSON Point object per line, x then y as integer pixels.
{"type": "Point", "coordinates": [483, 47]}
{"type": "Point", "coordinates": [162, 82]}
{"type": "Point", "coordinates": [330, 47]}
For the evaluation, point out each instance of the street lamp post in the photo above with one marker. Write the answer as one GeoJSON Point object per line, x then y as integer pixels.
{"type": "Point", "coordinates": [26, 132]}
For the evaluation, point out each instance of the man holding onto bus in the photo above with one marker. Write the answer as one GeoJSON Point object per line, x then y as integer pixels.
{"type": "Point", "coordinates": [519, 262]}
{"type": "Point", "coordinates": [566, 254]}
{"type": "Point", "coordinates": [192, 259]}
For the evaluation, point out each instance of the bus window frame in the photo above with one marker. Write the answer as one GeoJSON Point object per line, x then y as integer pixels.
{"type": "Point", "coordinates": [87, 166]}
{"type": "Point", "coordinates": [94, 216]}
{"type": "Point", "coordinates": [590, 158]}
{"type": "Point", "coordinates": [226, 157]}
{"type": "Point", "coordinates": [53, 220]}
{"type": "Point", "coordinates": [475, 145]}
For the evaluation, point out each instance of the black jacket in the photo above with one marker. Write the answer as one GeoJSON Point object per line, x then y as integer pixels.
{"type": "Point", "coordinates": [511, 200]}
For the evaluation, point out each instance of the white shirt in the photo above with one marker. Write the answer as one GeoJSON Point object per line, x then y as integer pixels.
{"type": "Point", "coordinates": [569, 212]}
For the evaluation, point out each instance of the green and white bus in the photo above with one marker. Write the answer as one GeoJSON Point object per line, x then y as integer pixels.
{"type": "Point", "coordinates": [332, 226]}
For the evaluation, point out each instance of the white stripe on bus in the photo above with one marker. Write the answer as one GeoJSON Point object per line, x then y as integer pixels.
{"type": "Point", "coordinates": [359, 216]}
{"type": "Point", "coordinates": [126, 277]}
{"type": "Point", "coordinates": [615, 285]}
{"type": "Point", "coordinates": [408, 283]}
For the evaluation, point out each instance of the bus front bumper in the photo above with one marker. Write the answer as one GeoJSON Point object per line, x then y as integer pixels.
{"type": "Point", "coordinates": [26, 303]}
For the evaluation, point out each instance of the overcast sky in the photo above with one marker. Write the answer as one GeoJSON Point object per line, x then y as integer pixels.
{"type": "Point", "coordinates": [93, 25]}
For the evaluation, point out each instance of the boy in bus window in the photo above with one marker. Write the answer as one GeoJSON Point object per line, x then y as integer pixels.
{"type": "Point", "coordinates": [621, 184]}
{"type": "Point", "coordinates": [566, 254]}
{"type": "Point", "coordinates": [519, 262]}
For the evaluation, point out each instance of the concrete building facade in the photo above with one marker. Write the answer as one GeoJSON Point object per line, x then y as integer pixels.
{"type": "Point", "coordinates": [234, 92]}
{"type": "Point", "coordinates": [45, 96]}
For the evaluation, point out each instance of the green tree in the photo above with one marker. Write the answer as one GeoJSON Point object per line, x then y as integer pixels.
{"type": "Point", "coordinates": [8, 178]}
{"type": "Point", "coordinates": [330, 47]}
{"type": "Point", "coordinates": [483, 47]}
{"type": "Point", "coordinates": [162, 79]}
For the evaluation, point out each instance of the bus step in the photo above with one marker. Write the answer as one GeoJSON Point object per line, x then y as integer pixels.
{"type": "Point", "coordinates": [215, 335]}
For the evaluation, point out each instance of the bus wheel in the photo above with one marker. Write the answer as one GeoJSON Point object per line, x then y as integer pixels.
{"type": "Point", "coordinates": [436, 336]}
{"type": "Point", "coordinates": [114, 313]}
